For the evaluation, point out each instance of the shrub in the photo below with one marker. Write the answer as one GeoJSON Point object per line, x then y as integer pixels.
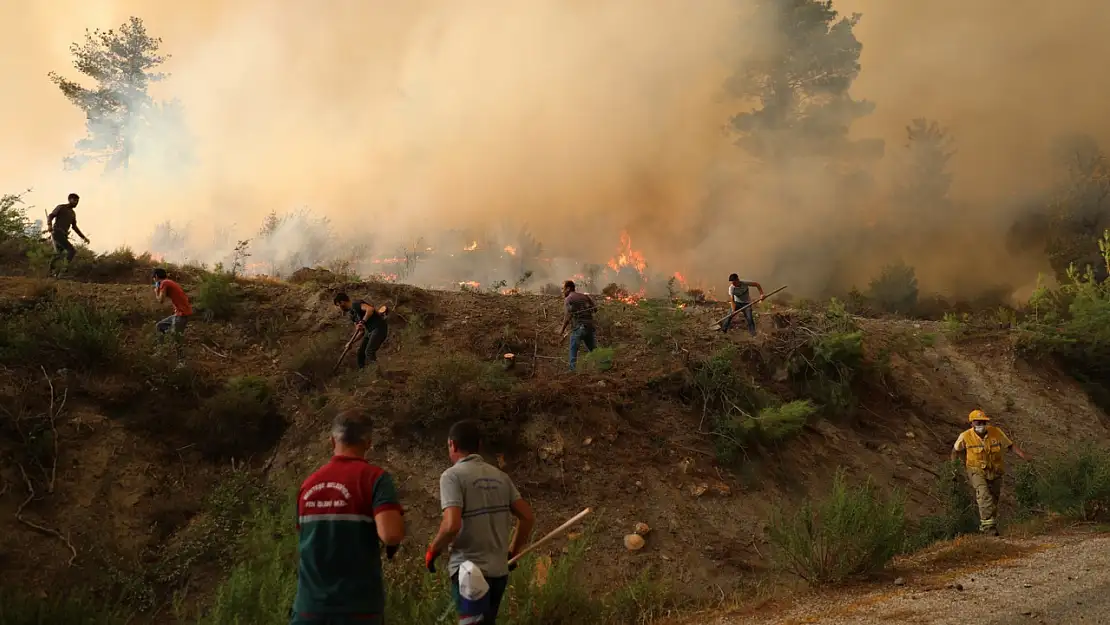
{"type": "Point", "coordinates": [241, 419]}
{"type": "Point", "coordinates": [781, 422]}
{"type": "Point", "coordinates": [450, 388]}
{"type": "Point", "coordinates": [313, 358]}
{"type": "Point", "coordinates": [69, 606]}
{"type": "Point", "coordinates": [959, 515]}
{"type": "Point", "coordinates": [895, 290]}
{"type": "Point", "coordinates": [1079, 337]}
{"type": "Point", "coordinates": [826, 358]}
{"type": "Point", "coordinates": [854, 530]}
{"type": "Point", "coordinates": [260, 586]}
{"type": "Point", "coordinates": [61, 333]}
{"type": "Point", "coordinates": [13, 217]}
{"type": "Point", "coordinates": [217, 294]}
{"type": "Point", "coordinates": [1074, 484]}
{"type": "Point", "coordinates": [600, 359]}
{"type": "Point", "coordinates": [661, 321]}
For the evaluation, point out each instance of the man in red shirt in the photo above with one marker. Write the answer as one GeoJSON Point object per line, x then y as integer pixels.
{"type": "Point", "coordinates": [345, 511]}
{"type": "Point", "coordinates": [182, 310]}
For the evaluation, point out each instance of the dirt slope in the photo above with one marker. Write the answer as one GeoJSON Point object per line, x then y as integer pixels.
{"type": "Point", "coordinates": [1059, 580]}
{"type": "Point", "coordinates": [629, 442]}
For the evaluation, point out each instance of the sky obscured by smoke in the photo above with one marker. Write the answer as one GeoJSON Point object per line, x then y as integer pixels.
{"type": "Point", "coordinates": [580, 119]}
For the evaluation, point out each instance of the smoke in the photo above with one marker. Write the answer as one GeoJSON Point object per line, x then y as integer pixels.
{"type": "Point", "coordinates": [466, 121]}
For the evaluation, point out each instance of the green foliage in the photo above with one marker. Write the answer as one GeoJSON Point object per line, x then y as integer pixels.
{"type": "Point", "coordinates": [959, 512]}
{"type": "Point", "coordinates": [69, 606]}
{"type": "Point", "coordinates": [661, 321]}
{"type": "Point", "coordinates": [853, 530]}
{"type": "Point", "coordinates": [1078, 337]}
{"type": "Point", "coordinates": [13, 216]}
{"type": "Point", "coordinates": [955, 326]}
{"type": "Point", "coordinates": [741, 414]}
{"type": "Point", "coordinates": [450, 388]}
{"type": "Point", "coordinates": [260, 586]}
{"type": "Point", "coordinates": [118, 109]}
{"type": "Point", "coordinates": [217, 294]}
{"type": "Point", "coordinates": [61, 333]}
{"type": "Point", "coordinates": [1074, 484]}
{"type": "Point", "coordinates": [802, 83]}
{"type": "Point", "coordinates": [240, 419]}
{"type": "Point", "coordinates": [601, 359]}
{"type": "Point", "coordinates": [825, 358]}
{"type": "Point", "coordinates": [895, 290]}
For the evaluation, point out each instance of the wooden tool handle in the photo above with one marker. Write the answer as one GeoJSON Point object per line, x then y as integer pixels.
{"type": "Point", "coordinates": [553, 534]}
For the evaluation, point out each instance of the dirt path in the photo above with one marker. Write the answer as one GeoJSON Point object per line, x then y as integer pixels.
{"type": "Point", "coordinates": [1060, 580]}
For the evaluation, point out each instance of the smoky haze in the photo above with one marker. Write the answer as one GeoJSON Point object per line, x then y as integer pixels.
{"type": "Point", "coordinates": [577, 119]}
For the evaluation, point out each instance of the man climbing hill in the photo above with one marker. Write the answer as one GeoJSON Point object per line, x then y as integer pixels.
{"type": "Point", "coordinates": [58, 222]}
{"type": "Point", "coordinates": [182, 310]}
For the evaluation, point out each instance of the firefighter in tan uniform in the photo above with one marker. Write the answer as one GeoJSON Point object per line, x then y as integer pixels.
{"type": "Point", "coordinates": [985, 447]}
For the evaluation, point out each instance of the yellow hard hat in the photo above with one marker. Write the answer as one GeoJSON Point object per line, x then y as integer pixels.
{"type": "Point", "coordinates": [977, 415]}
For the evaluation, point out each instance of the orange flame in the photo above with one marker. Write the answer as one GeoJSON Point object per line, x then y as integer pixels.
{"type": "Point", "coordinates": [387, 261]}
{"type": "Point", "coordinates": [470, 248]}
{"type": "Point", "coordinates": [511, 250]}
{"type": "Point", "coordinates": [681, 280]}
{"type": "Point", "coordinates": [627, 257]}
{"type": "Point", "coordinates": [470, 283]}
{"type": "Point", "coordinates": [385, 277]}
{"type": "Point", "coordinates": [157, 257]}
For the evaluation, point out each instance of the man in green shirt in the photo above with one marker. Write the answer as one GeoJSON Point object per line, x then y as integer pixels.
{"type": "Point", "coordinates": [345, 511]}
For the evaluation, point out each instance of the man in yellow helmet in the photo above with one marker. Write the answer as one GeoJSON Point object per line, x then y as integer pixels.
{"type": "Point", "coordinates": [986, 448]}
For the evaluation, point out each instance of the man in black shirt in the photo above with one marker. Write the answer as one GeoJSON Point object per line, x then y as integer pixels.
{"type": "Point", "coordinates": [59, 221]}
{"type": "Point", "coordinates": [371, 323]}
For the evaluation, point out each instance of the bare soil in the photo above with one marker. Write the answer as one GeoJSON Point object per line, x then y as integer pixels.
{"type": "Point", "coordinates": [626, 442]}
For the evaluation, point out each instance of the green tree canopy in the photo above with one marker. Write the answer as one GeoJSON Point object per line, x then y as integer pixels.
{"type": "Point", "coordinates": [118, 108]}
{"type": "Point", "coordinates": [800, 76]}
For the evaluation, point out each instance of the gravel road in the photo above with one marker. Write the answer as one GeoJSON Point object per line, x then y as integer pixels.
{"type": "Point", "coordinates": [1066, 579]}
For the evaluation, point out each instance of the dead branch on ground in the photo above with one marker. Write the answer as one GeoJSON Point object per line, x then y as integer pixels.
{"type": "Point", "coordinates": [42, 529]}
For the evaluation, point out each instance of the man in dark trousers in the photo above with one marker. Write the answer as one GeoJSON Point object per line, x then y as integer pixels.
{"type": "Point", "coordinates": [579, 311]}
{"type": "Point", "coordinates": [59, 221]}
{"type": "Point", "coordinates": [182, 310]}
{"type": "Point", "coordinates": [373, 328]}
{"type": "Point", "coordinates": [739, 298]}
{"type": "Point", "coordinates": [479, 502]}
{"type": "Point", "coordinates": [345, 511]}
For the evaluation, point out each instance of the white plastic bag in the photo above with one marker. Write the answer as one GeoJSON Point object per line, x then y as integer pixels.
{"type": "Point", "coordinates": [472, 584]}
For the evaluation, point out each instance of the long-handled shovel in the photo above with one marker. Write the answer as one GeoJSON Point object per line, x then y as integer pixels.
{"type": "Point", "coordinates": [346, 349]}
{"type": "Point", "coordinates": [745, 307]}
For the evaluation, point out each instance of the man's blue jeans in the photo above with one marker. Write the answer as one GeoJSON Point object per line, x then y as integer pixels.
{"type": "Point", "coordinates": [582, 335]}
{"type": "Point", "coordinates": [748, 316]}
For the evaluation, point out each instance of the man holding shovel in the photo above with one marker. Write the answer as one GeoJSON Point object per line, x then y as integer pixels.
{"type": "Point", "coordinates": [370, 325]}
{"type": "Point", "coordinates": [741, 301]}
{"type": "Point", "coordinates": [479, 502]}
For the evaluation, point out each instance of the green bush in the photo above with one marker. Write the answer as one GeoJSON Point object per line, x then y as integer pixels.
{"type": "Point", "coordinates": [827, 358]}
{"type": "Point", "coordinates": [1072, 327]}
{"type": "Point", "coordinates": [68, 607]}
{"type": "Point", "coordinates": [61, 333]}
{"type": "Point", "coordinates": [600, 359]}
{"type": "Point", "coordinates": [1074, 484]}
{"type": "Point", "coordinates": [661, 321]}
{"type": "Point", "coordinates": [260, 586]}
{"type": "Point", "coordinates": [450, 388]}
{"type": "Point", "coordinates": [13, 217]}
{"type": "Point", "coordinates": [959, 514]}
{"type": "Point", "coordinates": [241, 419]}
{"type": "Point", "coordinates": [895, 290]}
{"type": "Point", "coordinates": [217, 295]}
{"type": "Point", "coordinates": [854, 530]}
